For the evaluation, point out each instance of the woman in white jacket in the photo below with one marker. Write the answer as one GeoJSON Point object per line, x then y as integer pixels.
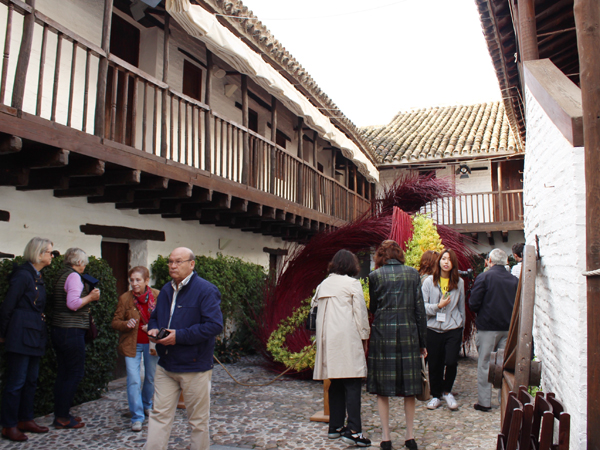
{"type": "Point", "coordinates": [341, 336]}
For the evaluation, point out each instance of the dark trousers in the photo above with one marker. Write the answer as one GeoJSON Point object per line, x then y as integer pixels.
{"type": "Point", "coordinates": [21, 380]}
{"type": "Point", "coordinates": [69, 345]}
{"type": "Point", "coordinates": [442, 357]}
{"type": "Point", "coordinates": [344, 396]}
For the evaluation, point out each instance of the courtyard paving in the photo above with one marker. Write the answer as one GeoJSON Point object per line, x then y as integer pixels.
{"type": "Point", "coordinates": [276, 417]}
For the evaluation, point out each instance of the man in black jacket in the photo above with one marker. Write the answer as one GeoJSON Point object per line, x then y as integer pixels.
{"type": "Point", "coordinates": [492, 299]}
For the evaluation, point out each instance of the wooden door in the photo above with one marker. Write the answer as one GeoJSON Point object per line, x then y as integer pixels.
{"type": "Point", "coordinates": [117, 256]}
{"type": "Point", "coordinates": [508, 203]}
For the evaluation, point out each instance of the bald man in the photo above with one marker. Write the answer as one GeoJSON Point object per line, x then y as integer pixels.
{"type": "Point", "coordinates": [188, 309]}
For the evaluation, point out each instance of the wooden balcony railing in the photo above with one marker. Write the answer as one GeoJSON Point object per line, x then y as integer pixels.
{"type": "Point", "coordinates": [480, 211]}
{"type": "Point", "coordinates": [146, 114]}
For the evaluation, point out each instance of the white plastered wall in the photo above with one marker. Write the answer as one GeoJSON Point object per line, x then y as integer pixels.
{"type": "Point", "coordinates": [39, 213]}
{"type": "Point", "coordinates": [554, 205]}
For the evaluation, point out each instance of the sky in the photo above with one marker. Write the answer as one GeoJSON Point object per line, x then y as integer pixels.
{"type": "Point", "coordinates": [379, 57]}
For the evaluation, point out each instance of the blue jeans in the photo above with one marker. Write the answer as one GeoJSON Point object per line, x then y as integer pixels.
{"type": "Point", "coordinates": [21, 380]}
{"type": "Point", "coordinates": [138, 396]}
{"type": "Point", "coordinates": [69, 345]}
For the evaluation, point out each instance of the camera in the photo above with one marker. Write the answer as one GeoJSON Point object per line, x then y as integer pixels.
{"type": "Point", "coordinates": [162, 333]}
{"type": "Point", "coordinates": [467, 273]}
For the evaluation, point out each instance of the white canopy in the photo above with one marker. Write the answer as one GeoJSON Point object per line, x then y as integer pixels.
{"type": "Point", "coordinates": [203, 25]}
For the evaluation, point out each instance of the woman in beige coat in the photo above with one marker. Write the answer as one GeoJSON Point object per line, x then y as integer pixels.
{"type": "Point", "coordinates": [341, 336]}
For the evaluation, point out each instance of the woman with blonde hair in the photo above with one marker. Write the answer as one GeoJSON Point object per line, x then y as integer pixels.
{"type": "Point", "coordinates": [398, 337]}
{"type": "Point", "coordinates": [131, 321]}
{"type": "Point", "coordinates": [23, 331]}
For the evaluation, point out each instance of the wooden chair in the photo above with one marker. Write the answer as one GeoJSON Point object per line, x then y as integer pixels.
{"type": "Point", "coordinates": [525, 441]}
{"type": "Point", "coordinates": [508, 439]}
{"type": "Point", "coordinates": [564, 423]}
{"type": "Point", "coordinates": [542, 427]}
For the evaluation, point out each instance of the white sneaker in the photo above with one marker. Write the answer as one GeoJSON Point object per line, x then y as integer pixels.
{"type": "Point", "coordinates": [136, 426]}
{"type": "Point", "coordinates": [434, 403]}
{"type": "Point", "coordinates": [450, 401]}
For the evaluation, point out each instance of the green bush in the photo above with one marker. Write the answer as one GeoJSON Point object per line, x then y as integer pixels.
{"type": "Point", "coordinates": [101, 355]}
{"type": "Point", "coordinates": [242, 287]}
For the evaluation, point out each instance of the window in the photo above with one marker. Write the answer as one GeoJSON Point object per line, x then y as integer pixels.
{"type": "Point", "coordinates": [280, 139]}
{"type": "Point", "coordinates": [192, 80]}
{"type": "Point", "coordinates": [253, 120]}
{"type": "Point", "coordinates": [125, 40]}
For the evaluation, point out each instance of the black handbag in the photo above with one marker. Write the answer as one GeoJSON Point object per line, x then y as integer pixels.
{"type": "Point", "coordinates": [311, 320]}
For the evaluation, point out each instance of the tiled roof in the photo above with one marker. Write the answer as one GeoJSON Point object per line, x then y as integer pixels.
{"type": "Point", "coordinates": [255, 34]}
{"type": "Point", "coordinates": [443, 132]}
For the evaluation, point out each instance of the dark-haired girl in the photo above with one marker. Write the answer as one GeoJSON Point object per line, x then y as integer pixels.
{"type": "Point", "coordinates": [444, 297]}
{"type": "Point", "coordinates": [341, 337]}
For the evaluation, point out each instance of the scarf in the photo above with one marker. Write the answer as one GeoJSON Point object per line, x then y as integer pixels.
{"type": "Point", "coordinates": [142, 299]}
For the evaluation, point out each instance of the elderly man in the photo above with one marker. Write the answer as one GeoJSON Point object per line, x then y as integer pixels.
{"type": "Point", "coordinates": [187, 311]}
{"type": "Point", "coordinates": [492, 299]}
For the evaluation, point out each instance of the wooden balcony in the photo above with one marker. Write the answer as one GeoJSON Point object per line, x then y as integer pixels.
{"type": "Point", "coordinates": [480, 211]}
{"type": "Point", "coordinates": [125, 137]}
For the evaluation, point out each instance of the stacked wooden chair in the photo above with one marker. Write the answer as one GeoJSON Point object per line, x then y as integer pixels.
{"type": "Point", "coordinates": [529, 423]}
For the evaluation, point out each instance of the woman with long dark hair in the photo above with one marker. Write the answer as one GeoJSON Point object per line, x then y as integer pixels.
{"type": "Point", "coordinates": [341, 337]}
{"type": "Point", "coordinates": [427, 264]}
{"type": "Point", "coordinates": [444, 297]}
{"type": "Point", "coordinates": [398, 337]}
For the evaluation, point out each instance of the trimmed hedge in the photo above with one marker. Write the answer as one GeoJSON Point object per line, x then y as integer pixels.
{"type": "Point", "coordinates": [101, 355]}
{"type": "Point", "coordinates": [242, 287]}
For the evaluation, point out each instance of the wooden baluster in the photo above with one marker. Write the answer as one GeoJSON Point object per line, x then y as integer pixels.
{"type": "Point", "coordinates": [186, 146]}
{"type": "Point", "coordinates": [193, 135]}
{"type": "Point", "coordinates": [165, 94]}
{"type": "Point", "coordinates": [99, 121]}
{"type": "Point", "coordinates": [207, 115]}
{"type": "Point", "coordinates": [144, 116]}
{"type": "Point", "coordinates": [224, 135]}
{"type": "Point", "coordinates": [171, 130]}
{"type": "Point", "coordinates": [274, 140]}
{"type": "Point", "coordinates": [154, 127]}
{"type": "Point", "coordinates": [7, 37]}
{"type": "Point", "coordinates": [180, 155]}
{"type": "Point", "coordinates": [56, 77]}
{"type": "Point", "coordinates": [86, 90]}
{"type": "Point", "coordinates": [124, 107]}
{"type": "Point", "coordinates": [134, 100]}
{"type": "Point", "coordinates": [300, 186]}
{"type": "Point", "coordinates": [221, 152]}
{"type": "Point", "coordinates": [23, 61]}
{"type": "Point", "coordinates": [72, 83]}
{"type": "Point", "coordinates": [246, 143]}
{"type": "Point", "coordinates": [40, 91]}
{"type": "Point", "coordinates": [113, 103]}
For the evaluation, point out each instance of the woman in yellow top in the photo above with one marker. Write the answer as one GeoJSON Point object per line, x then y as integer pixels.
{"type": "Point", "coordinates": [444, 298]}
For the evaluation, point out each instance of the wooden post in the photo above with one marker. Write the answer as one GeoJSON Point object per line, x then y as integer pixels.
{"type": "Point", "coordinates": [527, 31]}
{"type": "Point", "coordinates": [99, 120]}
{"type": "Point", "coordinates": [316, 177]}
{"type": "Point", "coordinates": [165, 92]}
{"type": "Point", "coordinates": [500, 197]}
{"type": "Point", "coordinates": [208, 114]}
{"type": "Point", "coordinates": [274, 140]}
{"type": "Point", "coordinates": [323, 416]}
{"type": "Point", "coordinates": [335, 206]}
{"type": "Point", "coordinates": [300, 187]}
{"type": "Point", "coordinates": [245, 121]}
{"type": "Point", "coordinates": [23, 61]}
{"type": "Point", "coordinates": [587, 21]}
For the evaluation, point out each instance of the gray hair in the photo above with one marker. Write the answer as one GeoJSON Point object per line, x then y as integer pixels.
{"type": "Point", "coordinates": [35, 248]}
{"type": "Point", "coordinates": [498, 257]}
{"type": "Point", "coordinates": [75, 256]}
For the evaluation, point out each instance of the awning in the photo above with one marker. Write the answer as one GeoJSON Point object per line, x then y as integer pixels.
{"type": "Point", "coordinates": [201, 24]}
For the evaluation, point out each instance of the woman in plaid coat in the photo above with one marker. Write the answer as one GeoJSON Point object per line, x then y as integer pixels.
{"type": "Point", "coordinates": [398, 336]}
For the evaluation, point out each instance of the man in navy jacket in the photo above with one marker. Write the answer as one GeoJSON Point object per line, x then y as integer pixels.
{"type": "Point", "coordinates": [188, 308]}
{"type": "Point", "coordinates": [492, 299]}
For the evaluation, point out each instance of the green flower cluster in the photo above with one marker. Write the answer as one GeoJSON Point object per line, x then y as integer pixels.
{"type": "Point", "coordinates": [301, 360]}
{"type": "Point", "coordinates": [365, 287]}
{"type": "Point", "coordinates": [425, 237]}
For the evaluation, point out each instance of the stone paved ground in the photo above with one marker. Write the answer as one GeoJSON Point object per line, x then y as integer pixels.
{"type": "Point", "coordinates": [276, 416]}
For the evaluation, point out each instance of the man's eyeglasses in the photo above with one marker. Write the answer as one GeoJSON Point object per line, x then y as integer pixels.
{"type": "Point", "coordinates": [177, 263]}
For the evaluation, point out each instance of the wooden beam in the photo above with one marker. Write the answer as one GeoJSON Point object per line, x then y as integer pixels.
{"type": "Point", "coordinates": [4, 216]}
{"type": "Point", "coordinates": [99, 121]}
{"type": "Point", "coordinates": [114, 195]}
{"type": "Point", "coordinates": [122, 232]}
{"type": "Point", "coordinates": [273, 155]}
{"type": "Point", "coordinates": [94, 191]}
{"type": "Point", "coordinates": [38, 181]}
{"type": "Point", "coordinates": [23, 61]}
{"type": "Point", "coordinates": [558, 96]}
{"type": "Point", "coordinates": [51, 157]}
{"type": "Point", "coordinates": [14, 177]}
{"type": "Point", "coordinates": [153, 203]}
{"type": "Point", "coordinates": [490, 236]}
{"type": "Point", "coordinates": [587, 22]}
{"type": "Point", "coordinates": [10, 144]}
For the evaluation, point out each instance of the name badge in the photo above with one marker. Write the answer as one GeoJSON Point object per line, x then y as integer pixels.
{"type": "Point", "coordinates": [440, 317]}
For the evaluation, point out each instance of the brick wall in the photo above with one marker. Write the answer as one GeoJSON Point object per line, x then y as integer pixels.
{"type": "Point", "coordinates": [554, 202]}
